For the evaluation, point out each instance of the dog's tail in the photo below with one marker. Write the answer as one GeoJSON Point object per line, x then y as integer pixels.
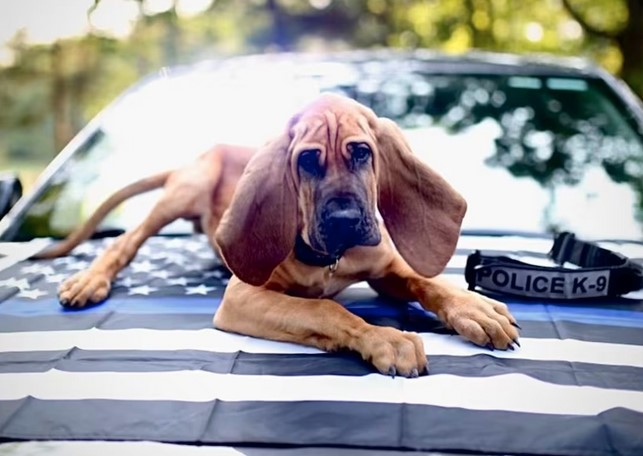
{"type": "Point", "coordinates": [84, 231]}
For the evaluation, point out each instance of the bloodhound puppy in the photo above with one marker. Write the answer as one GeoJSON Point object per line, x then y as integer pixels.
{"type": "Point", "coordinates": [337, 198]}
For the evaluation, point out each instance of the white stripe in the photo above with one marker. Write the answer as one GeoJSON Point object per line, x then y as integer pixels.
{"type": "Point", "coordinates": [569, 350]}
{"type": "Point", "coordinates": [102, 448]}
{"type": "Point", "coordinates": [512, 392]}
{"type": "Point", "coordinates": [218, 341]}
{"type": "Point", "coordinates": [144, 339]}
{"type": "Point", "coordinates": [457, 261]}
{"type": "Point", "coordinates": [508, 243]}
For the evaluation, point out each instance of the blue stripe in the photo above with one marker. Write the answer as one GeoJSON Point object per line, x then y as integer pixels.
{"type": "Point", "coordinates": [369, 307]}
{"type": "Point", "coordinates": [131, 305]}
{"type": "Point", "coordinates": [575, 313]}
{"type": "Point", "coordinates": [529, 312]}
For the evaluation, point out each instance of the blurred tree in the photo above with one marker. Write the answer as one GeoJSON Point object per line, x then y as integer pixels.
{"type": "Point", "coordinates": [24, 96]}
{"type": "Point", "coordinates": [620, 21]}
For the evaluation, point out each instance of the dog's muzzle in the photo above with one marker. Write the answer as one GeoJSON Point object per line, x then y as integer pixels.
{"type": "Point", "coordinates": [344, 222]}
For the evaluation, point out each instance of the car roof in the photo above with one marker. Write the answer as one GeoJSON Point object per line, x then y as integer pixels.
{"type": "Point", "coordinates": [421, 60]}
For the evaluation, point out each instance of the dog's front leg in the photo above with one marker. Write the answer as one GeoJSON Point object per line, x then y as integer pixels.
{"type": "Point", "coordinates": [93, 285]}
{"type": "Point", "coordinates": [482, 320]}
{"type": "Point", "coordinates": [321, 323]}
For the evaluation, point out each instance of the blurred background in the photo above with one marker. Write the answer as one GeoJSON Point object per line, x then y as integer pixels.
{"type": "Point", "coordinates": [62, 61]}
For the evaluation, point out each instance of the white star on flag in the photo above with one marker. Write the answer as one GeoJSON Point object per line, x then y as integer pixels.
{"type": "Point", "coordinates": [159, 255]}
{"type": "Point", "coordinates": [182, 281]}
{"type": "Point", "coordinates": [144, 250]}
{"type": "Point", "coordinates": [126, 282]}
{"type": "Point", "coordinates": [142, 290]}
{"type": "Point", "coordinates": [31, 294]}
{"type": "Point", "coordinates": [77, 265]}
{"type": "Point", "coordinates": [55, 278]}
{"type": "Point", "coordinates": [175, 258]}
{"type": "Point", "coordinates": [65, 260]}
{"type": "Point", "coordinates": [142, 266]}
{"type": "Point", "coordinates": [160, 274]}
{"type": "Point", "coordinates": [201, 289]}
{"type": "Point", "coordinates": [216, 274]}
{"type": "Point", "coordinates": [37, 269]}
{"type": "Point", "coordinates": [175, 243]}
{"type": "Point", "coordinates": [206, 254]}
{"type": "Point", "coordinates": [22, 284]}
{"type": "Point", "coordinates": [193, 246]}
{"type": "Point", "coordinates": [85, 249]}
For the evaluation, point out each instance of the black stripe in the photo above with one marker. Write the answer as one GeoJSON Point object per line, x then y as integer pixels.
{"type": "Point", "coordinates": [77, 360]}
{"type": "Point", "coordinates": [33, 361]}
{"type": "Point", "coordinates": [364, 425]}
{"type": "Point", "coordinates": [160, 321]}
{"type": "Point", "coordinates": [564, 329]}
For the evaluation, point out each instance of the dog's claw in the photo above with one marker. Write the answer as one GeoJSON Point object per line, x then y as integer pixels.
{"type": "Point", "coordinates": [414, 373]}
{"type": "Point", "coordinates": [490, 347]}
{"type": "Point", "coordinates": [510, 347]}
{"type": "Point", "coordinates": [515, 341]}
{"type": "Point", "coordinates": [392, 371]}
{"type": "Point", "coordinates": [516, 325]}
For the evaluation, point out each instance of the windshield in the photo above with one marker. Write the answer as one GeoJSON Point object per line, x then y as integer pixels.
{"type": "Point", "coordinates": [529, 153]}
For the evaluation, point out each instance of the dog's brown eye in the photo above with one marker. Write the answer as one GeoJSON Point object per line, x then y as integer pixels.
{"type": "Point", "coordinates": [308, 161]}
{"type": "Point", "coordinates": [360, 152]}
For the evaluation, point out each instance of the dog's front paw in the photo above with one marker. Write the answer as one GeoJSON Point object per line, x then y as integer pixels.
{"type": "Point", "coordinates": [393, 352]}
{"type": "Point", "coordinates": [85, 287]}
{"type": "Point", "coordinates": [482, 320]}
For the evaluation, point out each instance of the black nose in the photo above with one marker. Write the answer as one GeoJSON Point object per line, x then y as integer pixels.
{"type": "Point", "coordinates": [342, 214]}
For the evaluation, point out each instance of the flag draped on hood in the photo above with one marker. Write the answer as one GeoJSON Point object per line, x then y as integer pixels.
{"type": "Point", "coordinates": [147, 364]}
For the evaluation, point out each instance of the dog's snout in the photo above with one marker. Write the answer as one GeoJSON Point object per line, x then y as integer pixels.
{"type": "Point", "coordinates": [342, 223]}
{"type": "Point", "coordinates": [343, 213]}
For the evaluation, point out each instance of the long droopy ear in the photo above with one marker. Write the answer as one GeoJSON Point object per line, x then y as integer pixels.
{"type": "Point", "coordinates": [421, 211]}
{"type": "Point", "coordinates": [259, 228]}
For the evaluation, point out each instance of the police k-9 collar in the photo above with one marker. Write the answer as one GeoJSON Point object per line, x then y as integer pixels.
{"type": "Point", "coordinates": [601, 272]}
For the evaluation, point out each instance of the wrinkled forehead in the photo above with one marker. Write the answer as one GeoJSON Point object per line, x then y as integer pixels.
{"type": "Point", "coordinates": [332, 121]}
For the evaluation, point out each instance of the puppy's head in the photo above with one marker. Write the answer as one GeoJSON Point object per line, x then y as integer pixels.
{"type": "Point", "coordinates": [332, 166]}
{"type": "Point", "coordinates": [324, 180]}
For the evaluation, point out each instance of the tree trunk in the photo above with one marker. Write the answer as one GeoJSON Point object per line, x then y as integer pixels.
{"type": "Point", "coordinates": [630, 42]}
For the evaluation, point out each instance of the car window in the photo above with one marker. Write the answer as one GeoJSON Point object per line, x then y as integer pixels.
{"type": "Point", "coordinates": [529, 153]}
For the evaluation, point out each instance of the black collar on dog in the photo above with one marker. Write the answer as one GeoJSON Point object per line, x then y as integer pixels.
{"type": "Point", "coordinates": [305, 254]}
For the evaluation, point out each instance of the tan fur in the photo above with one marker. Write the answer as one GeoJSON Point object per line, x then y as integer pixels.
{"type": "Point", "coordinates": [252, 206]}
